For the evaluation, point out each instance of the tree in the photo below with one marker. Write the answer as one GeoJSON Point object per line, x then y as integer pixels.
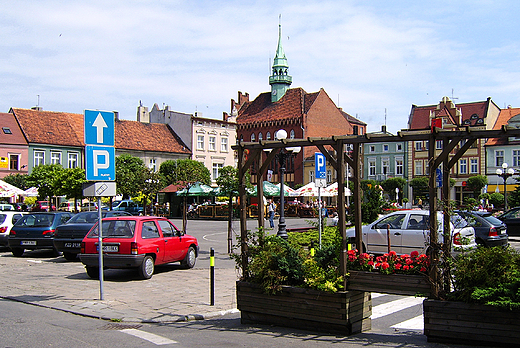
{"type": "Point", "coordinates": [389, 185]}
{"type": "Point", "coordinates": [372, 203]}
{"type": "Point", "coordinates": [497, 199]}
{"type": "Point", "coordinates": [44, 177]}
{"type": "Point", "coordinates": [130, 175]}
{"type": "Point", "coordinates": [476, 183]}
{"type": "Point", "coordinates": [513, 198]}
{"type": "Point", "coordinates": [420, 187]}
{"type": "Point", "coordinates": [152, 184]}
{"type": "Point", "coordinates": [185, 173]}
{"type": "Point", "coordinates": [18, 180]}
{"type": "Point", "coordinates": [69, 183]}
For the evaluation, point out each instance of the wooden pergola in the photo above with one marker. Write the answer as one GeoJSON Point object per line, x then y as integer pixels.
{"type": "Point", "coordinates": [249, 152]}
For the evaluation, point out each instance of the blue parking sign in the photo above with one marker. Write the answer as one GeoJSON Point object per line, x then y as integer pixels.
{"type": "Point", "coordinates": [100, 163]}
{"type": "Point", "coordinates": [320, 166]}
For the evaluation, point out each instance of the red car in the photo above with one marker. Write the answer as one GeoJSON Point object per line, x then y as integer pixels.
{"type": "Point", "coordinates": [139, 242]}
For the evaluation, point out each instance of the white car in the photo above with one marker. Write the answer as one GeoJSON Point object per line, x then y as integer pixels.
{"type": "Point", "coordinates": [409, 231]}
{"type": "Point", "coordinates": [7, 220]}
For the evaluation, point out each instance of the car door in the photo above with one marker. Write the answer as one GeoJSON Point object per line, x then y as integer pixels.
{"type": "Point", "coordinates": [173, 242]}
{"type": "Point", "coordinates": [152, 241]}
{"type": "Point", "coordinates": [377, 238]}
{"type": "Point", "coordinates": [415, 234]}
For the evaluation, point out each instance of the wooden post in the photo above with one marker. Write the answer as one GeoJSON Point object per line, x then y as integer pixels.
{"type": "Point", "coordinates": [357, 196]}
{"type": "Point", "coordinates": [434, 238]}
{"type": "Point", "coordinates": [340, 162]}
{"type": "Point", "coordinates": [243, 212]}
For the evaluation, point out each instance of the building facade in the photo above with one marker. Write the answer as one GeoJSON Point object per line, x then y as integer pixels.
{"type": "Point", "coordinates": [14, 150]}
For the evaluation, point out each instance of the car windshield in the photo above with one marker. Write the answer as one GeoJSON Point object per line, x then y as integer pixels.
{"type": "Point", "coordinates": [115, 229]}
{"type": "Point", "coordinates": [458, 221]}
{"type": "Point", "coordinates": [493, 220]}
{"type": "Point", "coordinates": [36, 220]}
{"type": "Point", "coordinates": [115, 204]}
{"type": "Point", "coordinates": [89, 217]}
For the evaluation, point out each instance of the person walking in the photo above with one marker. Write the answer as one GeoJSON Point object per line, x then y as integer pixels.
{"type": "Point", "coordinates": [271, 210]}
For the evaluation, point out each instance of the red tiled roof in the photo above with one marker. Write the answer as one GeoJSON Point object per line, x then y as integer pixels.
{"type": "Point", "coordinates": [133, 135]}
{"type": "Point", "coordinates": [503, 118]}
{"type": "Point", "coordinates": [352, 119]}
{"type": "Point", "coordinates": [420, 115]}
{"type": "Point", "coordinates": [293, 104]}
{"type": "Point", "coordinates": [49, 127]}
{"type": "Point", "coordinates": [16, 137]}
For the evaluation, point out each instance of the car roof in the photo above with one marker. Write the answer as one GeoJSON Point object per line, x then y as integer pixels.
{"type": "Point", "coordinates": [132, 217]}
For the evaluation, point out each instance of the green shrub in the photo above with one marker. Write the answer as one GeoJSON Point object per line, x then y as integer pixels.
{"type": "Point", "coordinates": [488, 276]}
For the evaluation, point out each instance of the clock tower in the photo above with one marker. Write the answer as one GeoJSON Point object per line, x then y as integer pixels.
{"type": "Point", "coordinates": [279, 79]}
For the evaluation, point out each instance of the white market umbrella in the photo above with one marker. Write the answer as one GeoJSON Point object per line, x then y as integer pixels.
{"type": "Point", "coordinates": [311, 190]}
{"type": "Point", "coordinates": [332, 189]}
{"type": "Point", "coordinates": [30, 192]}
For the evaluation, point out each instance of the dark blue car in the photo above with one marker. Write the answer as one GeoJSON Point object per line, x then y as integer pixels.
{"type": "Point", "coordinates": [36, 231]}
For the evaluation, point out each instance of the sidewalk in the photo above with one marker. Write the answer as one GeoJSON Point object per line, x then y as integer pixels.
{"type": "Point", "coordinates": [172, 294]}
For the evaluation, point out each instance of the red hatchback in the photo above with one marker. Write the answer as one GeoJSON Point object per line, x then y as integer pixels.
{"type": "Point", "coordinates": [139, 242]}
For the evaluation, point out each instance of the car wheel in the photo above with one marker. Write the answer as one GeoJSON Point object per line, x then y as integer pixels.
{"type": "Point", "coordinates": [55, 252]}
{"type": "Point", "coordinates": [190, 258]}
{"type": "Point", "coordinates": [92, 271]}
{"type": "Point", "coordinates": [147, 267]}
{"type": "Point", "coordinates": [17, 252]}
{"type": "Point", "coordinates": [70, 256]}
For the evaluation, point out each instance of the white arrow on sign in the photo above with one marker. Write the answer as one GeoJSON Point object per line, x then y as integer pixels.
{"type": "Point", "coordinates": [99, 123]}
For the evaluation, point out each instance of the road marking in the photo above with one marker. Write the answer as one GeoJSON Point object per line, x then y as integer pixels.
{"type": "Point", "coordinates": [212, 234]}
{"type": "Point", "coordinates": [150, 337]}
{"type": "Point", "coordinates": [416, 323]}
{"type": "Point", "coordinates": [35, 261]}
{"type": "Point", "coordinates": [395, 306]}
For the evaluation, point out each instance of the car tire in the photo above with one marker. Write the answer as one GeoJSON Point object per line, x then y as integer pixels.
{"type": "Point", "coordinates": [70, 256]}
{"type": "Point", "coordinates": [190, 258]}
{"type": "Point", "coordinates": [147, 267]}
{"type": "Point", "coordinates": [92, 271]}
{"type": "Point", "coordinates": [17, 252]}
{"type": "Point", "coordinates": [55, 252]}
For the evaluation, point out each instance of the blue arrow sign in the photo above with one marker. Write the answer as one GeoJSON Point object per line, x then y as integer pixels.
{"type": "Point", "coordinates": [99, 128]}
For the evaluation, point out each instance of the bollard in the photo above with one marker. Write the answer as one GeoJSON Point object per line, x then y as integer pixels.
{"type": "Point", "coordinates": [212, 276]}
{"type": "Point", "coordinates": [388, 237]}
{"type": "Point", "coordinates": [312, 248]}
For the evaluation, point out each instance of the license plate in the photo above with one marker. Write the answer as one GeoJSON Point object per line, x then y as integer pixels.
{"type": "Point", "coordinates": [28, 242]}
{"type": "Point", "coordinates": [72, 245]}
{"type": "Point", "coordinates": [109, 248]}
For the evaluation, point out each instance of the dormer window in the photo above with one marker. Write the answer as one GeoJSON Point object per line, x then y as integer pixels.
{"type": "Point", "coordinates": [7, 130]}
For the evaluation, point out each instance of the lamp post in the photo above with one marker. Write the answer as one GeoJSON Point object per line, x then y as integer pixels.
{"type": "Point", "coordinates": [282, 157]}
{"type": "Point", "coordinates": [505, 173]}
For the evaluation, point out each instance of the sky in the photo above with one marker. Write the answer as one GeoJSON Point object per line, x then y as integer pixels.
{"type": "Point", "coordinates": [372, 57]}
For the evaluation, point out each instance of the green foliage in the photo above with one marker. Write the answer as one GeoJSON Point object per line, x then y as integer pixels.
{"type": "Point", "coordinates": [497, 199]}
{"type": "Point", "coordinates": [69, 183]}
{"type": "Point", "coordinates": [184, 172]}
{"type": "Point", "coordinates": [18, 180]}
{"type": "Point", "coordinates": [44, 177]}
{"type": "Point", "coordinates": [476, 183]}
{"type": "Point", "coordinates": [420, 186]}
{"type": "Point", "coordinates": [488, 276]}
{"type": "Point", "coordinates": [389, 185]}
{"type": "Point", "coordinates": [228, 180]}
{"type": "Point", "coordinates": [513, 198]}
{"type": "Point", "coordinates": [329, 235]}
{"type": "Point", "coordinates": [471, 203]}
{"type": "Point", "coordinates": [130, 175]}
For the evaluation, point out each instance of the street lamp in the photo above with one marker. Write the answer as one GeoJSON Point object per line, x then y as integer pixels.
{"type": "Point", "coordinates": [504, 174]}
{"type": "Point", "coordinates": [282, 157]}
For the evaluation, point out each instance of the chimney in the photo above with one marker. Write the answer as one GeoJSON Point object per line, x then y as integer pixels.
{"type": "Point", "coordinates": [116, 115]}
{"type": "Point", "coordinates": [37, 108]}
{"type": "Point", "coordinates": [383, 128]}
{"type": "Point", "coordinates": [143, 115]}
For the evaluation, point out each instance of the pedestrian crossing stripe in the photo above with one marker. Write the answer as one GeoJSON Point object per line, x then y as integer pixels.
{"type": "Point", "coordinates": [395, 306]}
{"type": "Point", "coordinates": [416, 323]}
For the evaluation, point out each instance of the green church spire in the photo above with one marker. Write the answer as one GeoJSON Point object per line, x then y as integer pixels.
{"type": "Point", "coordinates": [279, 79]}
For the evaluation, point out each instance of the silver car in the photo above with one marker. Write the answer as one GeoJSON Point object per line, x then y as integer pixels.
{"type": "Point", "coordinates": [410, 230]}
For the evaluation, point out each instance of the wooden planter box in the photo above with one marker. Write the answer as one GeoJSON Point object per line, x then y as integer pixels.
{"type": "Point", "coordinates": [396, 284]}
{"type": "Point", "coordinates": [470, 324]}
{"type": "Point", "coordinates": [346, 312]}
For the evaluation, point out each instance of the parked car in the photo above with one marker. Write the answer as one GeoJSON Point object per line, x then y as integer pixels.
{"type": "Point", "coordinates": [7, 220]}
{"type": "Point", "coordinates": [69, 206]}
{"type": "Point", "coordinates": [409, 231]}
{"type": "Point", "coordinates": [128, 206]}
{"type": "Point", "coordinates": [512, 220]}
{"type": "Point", "coordinates": [36, 231]}
{"type": "Point", "coordinates": [20, 206]}
{"type": "Point", "coordinates": [139, 242]}
{"type": "Point", "coordinates": [68, 236]}
{"type": "Point", "coordinates": [42, 206]}
{"type": "Point", "coordinates": [6, 206]}
{"type": "Point", "coordinates": [489, 231]}
{"type": "Point", "coordinates": [91, 206]}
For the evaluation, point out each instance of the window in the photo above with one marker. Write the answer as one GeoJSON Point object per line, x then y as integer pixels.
{"type": "Point", "coordinates": [355, 130]}
{"type": "Point", "coordinates": [216, 168]}
{"type": "Point", "coordinates": [399, 147]}
{"type": "Point", "coordinates": [200, 142]}
{"type": "Point", "coordinates": [253, 137]}
{"type": "Point", "coordinates": [167, 228]}
{"type": "Point", "coordinates": [385, 166]}
{"type": "Point", "coordinates": [438, 144]}
{"type": "Point", "coordinates": [212, 146]}
{"type": "Point", "coordinates": [55, 157]}
{"type": "Point", "coordinates": [14, 162]}
{"type": "Point", "coordinates": [372, 167]}
{"type": "Point", "coordinates": [291, 134]}
{"type": "Point", "coordinates": [385, 147]}
{"type": "Point", "coordinates": [39, 158]}
{"type": "Point", "coordinates": [329, 175]}
{"type": "Point", "coordinates": [7, 130]}
{"type": "Point", "coordinates": [224, 144]}
{"type": "Point", "coordinates": [474, 166]}
{"type": "Point", "coordinates": [152, 164]}
{"type": "Point", "coordinates": [260, 136]}
{"type": "Point", "coordinates": [418, 168]}
{"type": "Point", "coordinates": [372, 148]}
{"type": "Point", "coordinates": [311, 175]}
{"type": "Point", "coordinates": [463, 166]}
{"type": "Point", "coordinates": [149, 230]}
{"type": "Point", "coordinates": [516, 158]}
{"type": "Point", "coordinates": [73, 160]}
{"type": "Point", "coordinates": [418, 146]}
{"type": "Point", "coordinates": [399, 166]}
{"type": "Point", "coordinates": [268, 136]}
{"type": "Point", "coordinates": [499, 158]}
{"type": "Point", "coordinates": [360, 130]}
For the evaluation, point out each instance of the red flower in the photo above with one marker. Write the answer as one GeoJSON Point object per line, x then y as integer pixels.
{"type": "Point", "coordinates": [415, 253]}
{"type": "Point", "coordinates": [385, 265]}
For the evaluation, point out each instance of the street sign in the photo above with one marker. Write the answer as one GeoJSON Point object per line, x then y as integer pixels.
{"type": "Point", "coordinates": [320, 166]}
{"type": "Point", "coordinates": [99, 189]}
{"type": "Point", "coordinates": [100, 163]}
{"type": "Point", "coordinates": [438, 177]}
{"type": "Point", "coordinates": [99, 128]}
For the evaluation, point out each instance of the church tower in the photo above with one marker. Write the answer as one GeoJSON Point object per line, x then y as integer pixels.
{"type": "Point", "coordinates": [279, 80]}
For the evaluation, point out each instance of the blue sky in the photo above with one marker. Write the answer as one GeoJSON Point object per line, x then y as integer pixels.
{"type": "Point", "coordinates": [196, 55]}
